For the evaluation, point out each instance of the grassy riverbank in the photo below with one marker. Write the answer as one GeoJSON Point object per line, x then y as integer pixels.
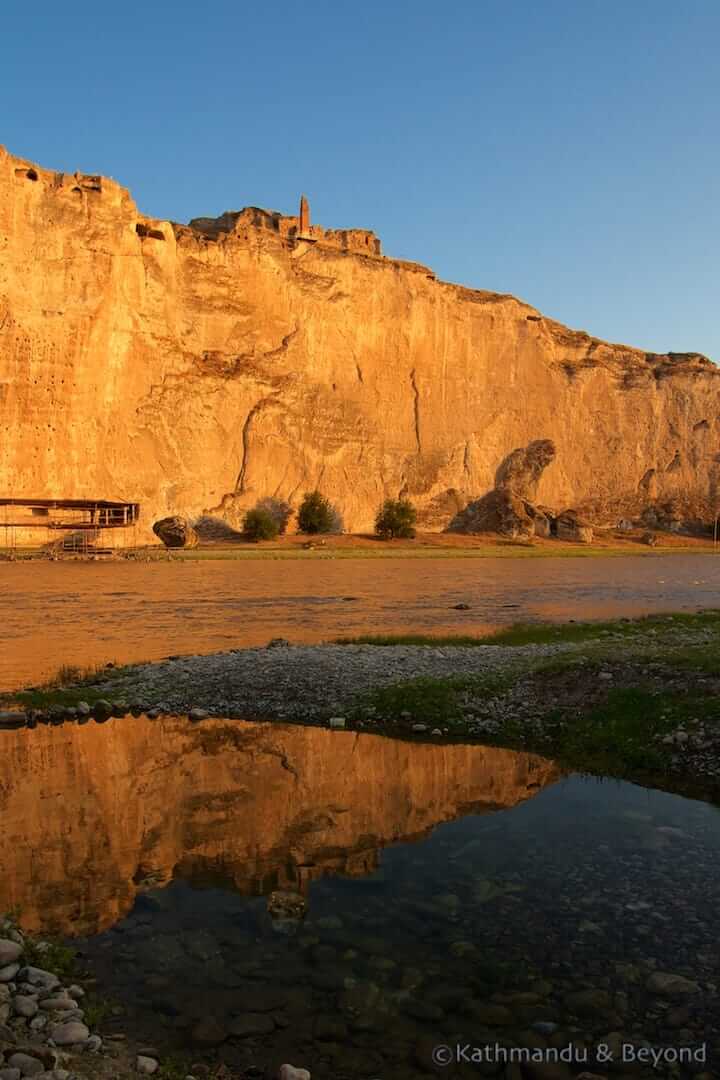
{"type": "Point", "coordinates": [637, 699]}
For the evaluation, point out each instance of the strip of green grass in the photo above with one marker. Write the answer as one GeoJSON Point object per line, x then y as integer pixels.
{"type": "Point", "coordinates": [550, 633]}
{"type": "Point", "coordinates": [436, 702]}
{"type": "Point", "coordinates": [621, 737]}
{"type": "Point", "coordinates": [434, 640]}
{"type": "Point", "coordinates": [489, 551]}
{"type": "Point", "coordinates": [69, 685]}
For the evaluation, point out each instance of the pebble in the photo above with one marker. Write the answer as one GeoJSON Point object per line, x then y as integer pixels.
{"type": "Point", "coordinates": [292, 1072]}
{"type": "Point", "coordinates": [10, 951]}
{"type": "Point", "coordinates": [247, 1024]}
{"type": "Point", "coordinates": [337, 722]}
{"type": "Point", "coordinates": [69, 1033]}
{"type": "Point", "coordinates": [668, 985]}
{"type": "Point", "coordinates": [146, 1065]}
{"type": "Point", "coordinates": [39, 977]}
{"type": "Point", "coordinates": [57, 1003]}
{"type": "Point", "coordinates": [28, 1066]}
{"type": "Point", "coordinates": [25, 1005]}
{"type": "Point", "coordinates": [8, 973]}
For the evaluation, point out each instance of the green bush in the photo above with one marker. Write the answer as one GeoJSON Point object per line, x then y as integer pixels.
{"type": "Point", "coordinates": [259, 525]}
{"type": "Point", "coordinates": [316, 514]}
{"type": "Point", "coordinates": [396, 518]}
{"type": "Point", "coordinates": [279, 511]}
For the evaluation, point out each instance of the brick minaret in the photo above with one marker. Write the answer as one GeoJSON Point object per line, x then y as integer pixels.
{"type": "Point", "coordinates": [304, 216]}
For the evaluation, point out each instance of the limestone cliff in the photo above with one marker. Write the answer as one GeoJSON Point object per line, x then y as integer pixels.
{"type": "Point", "coordinates": [196, 370]}
{"type": "Point", "coordinates": [92, 814]}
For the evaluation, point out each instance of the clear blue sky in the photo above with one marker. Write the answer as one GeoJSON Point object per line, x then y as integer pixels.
{"type": "Point", "coordinates": [567, 151]}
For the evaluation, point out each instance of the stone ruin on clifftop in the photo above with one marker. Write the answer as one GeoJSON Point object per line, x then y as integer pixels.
{"type": "Point", "coordinates": [359, 241]}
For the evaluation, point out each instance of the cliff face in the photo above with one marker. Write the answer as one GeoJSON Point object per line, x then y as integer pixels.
{"type": "Point", "coordinates": [93, 814]}
{"type": "Point", "coordinates": [198, 370]}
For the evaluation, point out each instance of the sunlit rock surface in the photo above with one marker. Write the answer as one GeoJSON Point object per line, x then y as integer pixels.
{"type": "Point", "coordinates": [199, 370]}
{"type": "Point", "coordinates": [93, 814]}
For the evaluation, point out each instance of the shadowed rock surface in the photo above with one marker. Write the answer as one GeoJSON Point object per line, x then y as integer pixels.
{"type": "Point", "coordinates": [198, 370]}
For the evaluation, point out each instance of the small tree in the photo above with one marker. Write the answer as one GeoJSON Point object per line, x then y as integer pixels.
{"type": "Point", "coordinates": [279, 511]}
{"type": "Point", "coordinates": [396, 518]}
{"type": "Point", "coordinates": [258, 524]}
{"type": "Point", "coordinates": [316, 514]}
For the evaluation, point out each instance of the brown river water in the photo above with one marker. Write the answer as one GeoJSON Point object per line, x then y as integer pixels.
{"type": "Point", "coordinates": [92, 613]}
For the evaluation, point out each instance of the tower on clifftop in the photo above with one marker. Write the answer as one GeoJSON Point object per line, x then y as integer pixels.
{"type": "Point", "coordinates": [304, 226]}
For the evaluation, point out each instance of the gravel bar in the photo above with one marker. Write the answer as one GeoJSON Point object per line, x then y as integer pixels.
{"type": "Point", "coordinates": [303, 681]}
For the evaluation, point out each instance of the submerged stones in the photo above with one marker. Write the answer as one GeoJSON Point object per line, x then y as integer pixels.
{"type": "Point", "coordinates": [249, 1024]}
{"type": "Point", "coordinates": [208, 1032]}
{"type": "Point", "coordinates": [283, 904]}
{"type": "Point", "coordinates": [666, 984]}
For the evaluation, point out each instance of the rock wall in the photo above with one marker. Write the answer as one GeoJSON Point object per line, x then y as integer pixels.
{"type": "Point", "coordinates": [93, 814]}
{"type": "Point", "coordinates": [196, 371]}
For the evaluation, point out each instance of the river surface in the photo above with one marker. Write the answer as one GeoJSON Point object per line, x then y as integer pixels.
{"type": "Point", "coordinates": [91, 613]}
{"type": "Point", "coordinates": [454, 895]}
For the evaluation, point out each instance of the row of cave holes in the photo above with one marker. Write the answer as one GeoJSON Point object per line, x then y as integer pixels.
{"type": "Point", "coordinates": [141, 230]}
{"type": "Point", "coordinates": [31, 174]}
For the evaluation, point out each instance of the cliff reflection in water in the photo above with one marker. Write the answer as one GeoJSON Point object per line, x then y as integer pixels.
{"type": "Point", "coordinates": [94, 814]}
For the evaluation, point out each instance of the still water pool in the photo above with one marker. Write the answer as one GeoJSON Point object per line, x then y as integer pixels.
{"type": "Point", "coordinates": [455, 896]}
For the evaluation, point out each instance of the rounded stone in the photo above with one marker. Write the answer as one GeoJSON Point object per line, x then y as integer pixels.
{"type": "Point", "coordinates": [291, 1072]}
{"type": "Point", "coordinates": [10, 951]}
{"type": "Point", "coordinates": [58, 1003]}
{"type": "Point", "coordinates": [25, 1005]}
{"type": "Point", "coordinates": [242, 1027]}
{"type": "Point", "coordinates": [208, 1032]}
{"type": "Point", "coordinates": [146, 1065]}
{"type": "Point", "coordinates": [669, 985]}
{"type": "Point", "coordinates": [28, 1066]}
{"type": "Point", "coordinates": [39, 977]}
{"type": "Point", "coordinates": [71, 1032]}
